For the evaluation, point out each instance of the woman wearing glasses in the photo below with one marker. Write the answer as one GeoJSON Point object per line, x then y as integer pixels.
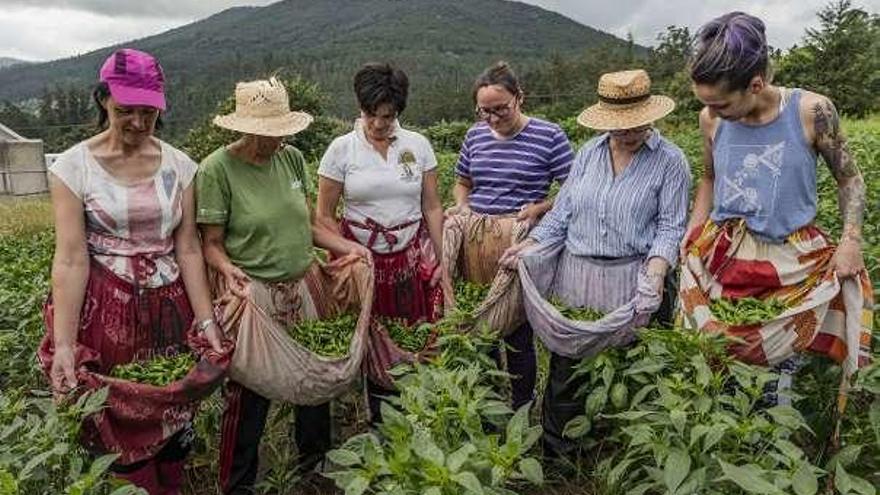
{"type": "Point", "coordinates": [621, 212]}
{"type": "Point", "coordinates": [507, 164]}
{"type": "Point", "coordinates": [388, 178]}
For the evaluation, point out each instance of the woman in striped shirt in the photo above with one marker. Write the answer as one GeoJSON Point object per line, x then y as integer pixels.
{"type": "Point", "coordinates": [506, 166]}
{"type": "Point", "coordinates": [622, 210]}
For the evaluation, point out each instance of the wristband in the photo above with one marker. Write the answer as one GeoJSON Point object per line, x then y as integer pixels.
{"type": "Point", "coordinates": [204, 324]}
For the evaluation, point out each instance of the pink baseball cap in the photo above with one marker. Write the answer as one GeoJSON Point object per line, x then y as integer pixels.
{"type": "Point", "coordinates": [134, 78]}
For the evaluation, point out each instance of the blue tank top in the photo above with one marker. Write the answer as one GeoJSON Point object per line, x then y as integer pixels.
{"type": "Point", "coordinates": [766, 174]}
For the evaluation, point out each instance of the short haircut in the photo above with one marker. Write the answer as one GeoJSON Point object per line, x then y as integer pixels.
{"type": "Point", "coordinates": [731, 49]}
{"type": "Point", "coordinates": [376, 84]}
{"type": "Point", "coordinates": [499, 74]}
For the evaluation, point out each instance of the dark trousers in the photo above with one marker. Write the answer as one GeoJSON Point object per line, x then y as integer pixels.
{"type": "Point", "coordinates": [521, 364]}
{"type": "Point", "coordinates": [561, 403]}
{"type": "Point", "coordinates": [375, 395]}
{"type": "Point", "coordinates": [244, 420]}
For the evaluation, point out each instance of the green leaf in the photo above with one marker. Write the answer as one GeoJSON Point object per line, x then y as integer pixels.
{"type": "Point", "coordinates": [704, 374]}
{"type": "Point", "coordinates": [804, 481]}
{"type": "Point", "coordinates": [715, 434]}
{"type": "Point", "coordinates": [434, 490]}
{"type": "Point", "coordinates": [577, 427]}
{"type": "Point", "coordinates": [532, 471]}
{"type": "Point", "coordinates": [619, 394]}
{"type": "Point", "coordinates": [642, 394]}
{"type": "Point", "coordinates": [749, 478]}
{"type": "Point", "coordinates": [848, 483]}
{"type": "Point", "coordinates": [847, 457]}
{"type": "Point", "coordinates": [678, 419]}
{"type": "Point", "coordinates": [787, 416]}
{"type": "Point", "coordinates": [874, 417]}
{"type": "Point", "coordinates": [469, 481]}
{"type": "Point", "coordinates": [676, 469]}
{"type": "Point", "coordinates": [459, 457]}
{"type": "Point", "coordinates": [358, 486]}
{"type": "Point", "coordinates": [343, 457]}
{"type": "Point", "coordinates": [596, 401]}
{"type": "Point", "coordinates": [423, 445]}
{"type": "Point", "coordinates": [518, 422]}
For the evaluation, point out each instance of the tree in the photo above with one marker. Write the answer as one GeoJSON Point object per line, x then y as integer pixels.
{"type": "Point", "coordinates": [668, 69]}
{"type": "Point", "coordinates": [840, 59]}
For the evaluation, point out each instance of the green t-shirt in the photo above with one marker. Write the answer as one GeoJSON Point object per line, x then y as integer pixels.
{"type": "Point", "coordinates": [263, 209]}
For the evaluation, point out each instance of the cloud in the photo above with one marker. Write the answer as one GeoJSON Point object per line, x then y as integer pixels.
{"type": "Point", "coordinates": [162, 9]}
{"type": "Point", "coordinates": [50, 29]}
{"type": "Point", "coordinates": [786, 20]}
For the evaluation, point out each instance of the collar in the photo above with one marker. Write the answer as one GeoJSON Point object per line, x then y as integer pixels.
{"type": "Point", "coordinates": [362, 136]}
{"type": "Point", "coordinates": [653, 141]}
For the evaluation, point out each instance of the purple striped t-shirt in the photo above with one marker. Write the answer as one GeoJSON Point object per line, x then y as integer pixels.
{"type": "Point", "coordinates": [506, 174]}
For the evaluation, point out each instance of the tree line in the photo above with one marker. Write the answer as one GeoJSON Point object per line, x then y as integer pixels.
{"type": "Point", "coordinates": [839, 58]}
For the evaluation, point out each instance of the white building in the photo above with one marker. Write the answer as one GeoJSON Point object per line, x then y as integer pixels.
{"type": "Point", "coordinates": [22, 164]}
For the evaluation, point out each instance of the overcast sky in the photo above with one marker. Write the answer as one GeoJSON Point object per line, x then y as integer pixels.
{"type": "Point", "coordinates": [48, 29]}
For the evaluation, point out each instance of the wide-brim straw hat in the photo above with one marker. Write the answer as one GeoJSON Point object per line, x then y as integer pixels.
{"type": "Point", "coordinates": [263, 108]}
{"type": "Point", "coordinates": [625, 102]}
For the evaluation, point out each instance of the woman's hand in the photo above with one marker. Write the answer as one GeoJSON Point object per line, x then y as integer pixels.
{"type": "Point", "coordinates": [214, 334]}
{"type": "Point", "coordinates": [656, 272]}
{"type": "Point", "coordinates": [531, 213]}
{"type": "Point", "coordinates": [848, 260]}
{"type": "Point", "coordinates": [236, 280]}
{"type": "Point", "coordinates": [359, 250]}
{"type": "Point", "coordinates": [462, 209]}
{"type": "Point", "coordinates": [63, 372]}
{"type": "Point", "coordinates": [512, 254]}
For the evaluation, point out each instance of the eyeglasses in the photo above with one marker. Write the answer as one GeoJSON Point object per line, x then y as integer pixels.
{"type": "Point", "coordinates": [500, 111]}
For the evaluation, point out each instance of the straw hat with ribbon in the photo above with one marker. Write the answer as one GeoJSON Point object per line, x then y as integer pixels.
{"type": "Point", "coordinates": [625, 102]}
{"type": "Point", "coordinates": [262, 108]}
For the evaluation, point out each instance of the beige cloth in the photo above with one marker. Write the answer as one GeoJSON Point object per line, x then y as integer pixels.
{"type": "Point", "coordinates": [472, 246]}
{"type": "Point", "coordinates": [268, 361]}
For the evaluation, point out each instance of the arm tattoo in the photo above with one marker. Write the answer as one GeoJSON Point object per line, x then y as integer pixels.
{"type": "Point", "coordinates": [831, 144]}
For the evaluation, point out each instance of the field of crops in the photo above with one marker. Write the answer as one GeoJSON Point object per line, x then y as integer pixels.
{"type": "Point", "coordinates": [670, 415]}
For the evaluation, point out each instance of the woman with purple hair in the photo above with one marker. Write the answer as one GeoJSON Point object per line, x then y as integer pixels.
{"type": "Point", "coordinates": [756, 205]}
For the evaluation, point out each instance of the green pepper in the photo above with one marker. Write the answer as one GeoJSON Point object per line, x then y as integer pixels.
{"type": "Point", "coordinates": [577, 314]}
{"type": "Point", "coordinates": [328, 337]}
{"type": "Point", "coordinates": [469, 295]}
{"type": "Point", "coordinates": [159, 371]}
{"type": "Point", "coordinates": [407, 337]}
{"type": "Point", "coordinates": [746, 310]}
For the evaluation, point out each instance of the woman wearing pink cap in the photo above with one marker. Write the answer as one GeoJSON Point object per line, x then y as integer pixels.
{"type": "Point", "coordinates": [128, 279]}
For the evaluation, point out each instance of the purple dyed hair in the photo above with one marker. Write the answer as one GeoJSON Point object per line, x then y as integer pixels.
{"type": "Point", "coordinates": [731, 49]}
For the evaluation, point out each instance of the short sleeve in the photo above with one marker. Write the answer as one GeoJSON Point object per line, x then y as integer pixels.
{"type": "Point", "coordinates": [212, 192]}
{"type": "Point", "coordinates": [429, 159]}
{"type": "Point", "coordinates": [185, 166]}
{"type": "Point", "coordinates": [298, 164]}
{"type": "Point", "coordinates": [70, 169]}
{"type": "Point", "coordinates": [334, 163]}
{"type": "Point", "coordinates": [463, 166]}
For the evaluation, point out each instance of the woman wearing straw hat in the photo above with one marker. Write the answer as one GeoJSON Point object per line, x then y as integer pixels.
{"type": "Point", "coordinates": [126, 239]}
{"type": "Point", "coordinates": [388, 178]}
{"type": "Point", "coordinates": [257, 224]}
{"type": "Point", "coordinates": [506, 166]}
{"type": "Point", "coordinates": [621, 211]}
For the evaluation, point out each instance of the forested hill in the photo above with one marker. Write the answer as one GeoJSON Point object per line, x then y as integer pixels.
{"type": "Point", "coordinates": [442, 44]}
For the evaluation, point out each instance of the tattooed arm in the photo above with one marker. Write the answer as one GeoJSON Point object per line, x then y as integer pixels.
{"type": "Point", "coordinates": [829, 141]}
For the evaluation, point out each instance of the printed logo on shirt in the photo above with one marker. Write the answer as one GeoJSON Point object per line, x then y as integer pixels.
{"type": "Point", "coordinates": [751, 184]}
{"type": "Point", "coordinates": [296, 184]}
{"type": "Point", "coordinates": [407, 167]}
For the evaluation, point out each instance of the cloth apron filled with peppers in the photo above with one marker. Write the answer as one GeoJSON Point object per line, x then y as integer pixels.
{"type": "Point", "coordinates": [405, 305]}
{"type": "Point", "coordinates": [138, 343]}
{"type": "Point", "coordinates": [300, 340]}
{"type": "Point", "coordinates": [472, 245]}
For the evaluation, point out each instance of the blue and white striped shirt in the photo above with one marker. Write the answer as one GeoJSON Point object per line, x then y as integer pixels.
{"type": "Point", "coordinates": [641, 212]}
{"type": "Point", "coordinates": [506, 174]}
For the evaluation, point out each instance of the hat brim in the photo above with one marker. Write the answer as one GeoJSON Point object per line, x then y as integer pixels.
{"type": "Point", "coordinates": [128, 96]}
{"type": "Point", "coordinates": [280, 126]}
{"type": "Point", "coordinates": [607, 118]}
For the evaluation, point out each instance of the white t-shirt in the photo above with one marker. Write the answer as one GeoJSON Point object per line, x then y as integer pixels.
{"type": "Point", "coordinates": [130, 226]}
{"type": "Point", "coordinates": [386, 191]}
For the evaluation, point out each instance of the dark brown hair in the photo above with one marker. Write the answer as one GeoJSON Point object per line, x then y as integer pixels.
{"type": "Point", "coordinates": [376, 84]}
{"type": "Point", "coordinates": [502, 75]}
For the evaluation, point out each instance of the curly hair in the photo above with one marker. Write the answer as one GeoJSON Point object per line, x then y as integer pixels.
{"type": "Point", "coordinates": [376, 84]}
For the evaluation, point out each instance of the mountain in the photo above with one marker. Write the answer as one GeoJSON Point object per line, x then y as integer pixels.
{"type": "Point", "coordinates": [442, 44]}
{"type": "Point", "coordinates": [9, 61]}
